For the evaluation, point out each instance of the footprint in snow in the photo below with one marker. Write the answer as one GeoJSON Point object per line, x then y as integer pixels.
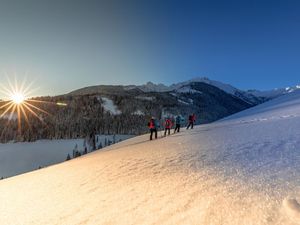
{"type": "Point", "coordinates": [292, 208]}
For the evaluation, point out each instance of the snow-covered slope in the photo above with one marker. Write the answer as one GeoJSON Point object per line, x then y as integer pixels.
{"type": "Point", "coordinates": [286, 104]}
{"type": "Point", "coordinates": [274, 93]}
{"type": "Point", "coordinates": [269, 94]}
{"type": "Point", "coordinates": [224, 87]}
{"type": "Point", "coordinates": [110, 107]}
{"type": "Point", "coordinates": [151, 87]}
{"type": "Point", "coordinates": [251, 96]}
{"type": "Point", "coordinates": [21, 157]}
{"type": "Point", "coordinates": [241, 170]}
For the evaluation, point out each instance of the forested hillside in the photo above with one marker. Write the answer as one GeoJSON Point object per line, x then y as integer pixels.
{"type": "Point", "coordinates": [116, 110]}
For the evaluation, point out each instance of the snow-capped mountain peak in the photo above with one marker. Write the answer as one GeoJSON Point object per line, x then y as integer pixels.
{"type": "Point", "coordinates": [186, 87]}
{"type": "Point", "coordinates": [249, 96]}
{"type": "Point", "coordinates": [224, 87]}
{"type": "Point", "coordinates": [151, 87]}
{"type": "Point", "coordinates": [276, 92]}
{"type": "Point", "coordinates": [252, 97]}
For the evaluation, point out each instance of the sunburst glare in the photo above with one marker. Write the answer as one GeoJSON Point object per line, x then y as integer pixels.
{"type": "Point", "coordinates": [17, 103]}
{"type": "Point", "coordinates": [18, 98]}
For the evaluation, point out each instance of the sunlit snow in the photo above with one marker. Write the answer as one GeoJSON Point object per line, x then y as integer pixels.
{"type": "Point", "coordinates": [242, 170]}
{"type": "Point", "coordinates": [109, 106]}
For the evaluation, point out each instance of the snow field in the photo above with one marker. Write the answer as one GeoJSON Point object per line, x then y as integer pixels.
{"type": "Point", "coordinates": [110, 106]}
{"type": "Point", "coordinates": [242, 170]}
{"type": "Point", "coordinates": [17, 158]}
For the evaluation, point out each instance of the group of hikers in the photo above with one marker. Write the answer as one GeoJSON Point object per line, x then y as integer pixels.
{"type": "Point", "coordinates": [168, 124]}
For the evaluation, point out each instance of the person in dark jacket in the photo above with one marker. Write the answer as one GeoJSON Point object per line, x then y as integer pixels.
{"type": "Point", "coordinates": [152, 124]}
{"type": "Point", "coordinates": [177, 123]}
{"type": "Point", "coordinates": [168, 126]}
{"type": "Point", "coordinates": [192, 119]}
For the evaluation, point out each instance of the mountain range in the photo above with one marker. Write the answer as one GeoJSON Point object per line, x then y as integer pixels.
{"type": "Point", "coordinates": [126, 109]}
{"type": "Point", "coordinates": [241, 170]}
{"type": "Point", "coordinates": [251, 96]}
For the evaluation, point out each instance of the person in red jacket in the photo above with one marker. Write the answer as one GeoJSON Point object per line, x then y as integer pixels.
{"type": "Point", "coordinates": [192, 119]}
{"type": "Point", "coordinates": [168, 126]}
{"type": "Point", "coordinates": [152, 124]}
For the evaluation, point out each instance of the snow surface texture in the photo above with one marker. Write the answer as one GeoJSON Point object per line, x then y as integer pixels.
{"type": "Point", "coordinates": [109, 106]}
{"type": "Point", "coordinates": [17, 158]}
{"type": "Point", "coordinates": [240, 171]}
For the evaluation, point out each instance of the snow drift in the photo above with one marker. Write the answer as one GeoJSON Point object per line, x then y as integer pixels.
{"type": "Point", "coordinates": [241, 170]}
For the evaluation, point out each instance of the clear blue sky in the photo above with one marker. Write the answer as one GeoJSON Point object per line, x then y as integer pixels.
{"type": "Point", "coordinates": [66, 45]}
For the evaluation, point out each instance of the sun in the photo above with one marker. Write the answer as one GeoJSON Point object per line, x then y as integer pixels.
{"type": "Point", "coordinates": [18, 105]}
{"type": "Point", "coordinates": [18, 98]}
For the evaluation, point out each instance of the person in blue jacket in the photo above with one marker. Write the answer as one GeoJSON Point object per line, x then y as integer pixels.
{"type": "Point", "coordinates": [178, 120]}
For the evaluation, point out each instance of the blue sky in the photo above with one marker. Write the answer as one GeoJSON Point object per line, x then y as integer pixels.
{"type": "Point", "coordinates": [65, 45]}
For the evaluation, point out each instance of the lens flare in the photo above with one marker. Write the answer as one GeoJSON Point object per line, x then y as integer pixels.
{"type": "Point", "coordinates": [18, 98]}
{"type": "Point", "coordinates": [17, 104]}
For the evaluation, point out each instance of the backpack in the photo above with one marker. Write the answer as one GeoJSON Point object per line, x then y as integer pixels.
{"type": "Point", "coordinates": [151, 124]}
{"type": "Point", "coordinates": [168, 123]}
